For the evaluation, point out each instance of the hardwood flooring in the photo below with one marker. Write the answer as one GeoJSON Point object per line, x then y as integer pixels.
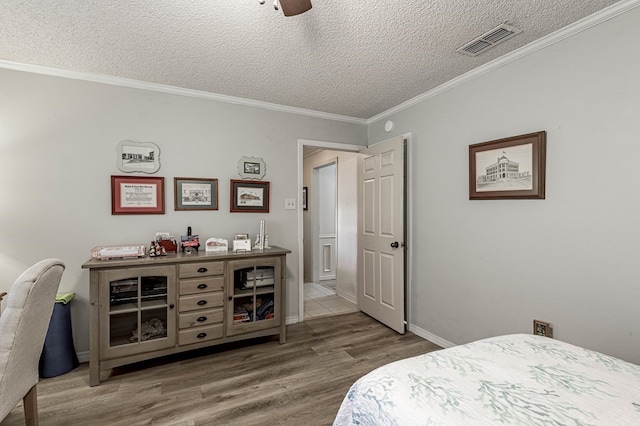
{"type": "Point", "coordinates": [259, 382]}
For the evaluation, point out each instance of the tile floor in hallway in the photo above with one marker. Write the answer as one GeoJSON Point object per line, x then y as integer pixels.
{"type": "Point", "coordinates": [320, 301]}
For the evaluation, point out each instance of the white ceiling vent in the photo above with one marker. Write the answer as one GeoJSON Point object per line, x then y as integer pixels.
{"type": "Point", "coordinates": [489, 39]}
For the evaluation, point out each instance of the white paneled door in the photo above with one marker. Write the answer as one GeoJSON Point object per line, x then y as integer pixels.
{"type": "Point", "coordinates": [381, 270]}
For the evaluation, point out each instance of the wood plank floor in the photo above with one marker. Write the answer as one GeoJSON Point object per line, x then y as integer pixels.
{"type": "Point", "coordinates": [260, 382]}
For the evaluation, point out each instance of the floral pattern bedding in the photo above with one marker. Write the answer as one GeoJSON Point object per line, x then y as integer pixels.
{"type": "Point", "coordinates": [508, 380]}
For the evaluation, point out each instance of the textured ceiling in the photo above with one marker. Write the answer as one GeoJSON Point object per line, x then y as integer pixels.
{"type": "Point", "coordinates": [351, 58]}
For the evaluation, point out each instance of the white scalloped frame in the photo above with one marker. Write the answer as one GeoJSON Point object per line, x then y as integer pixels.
{"type": "Point", "coordinates": [252, 168]}
{"type": "Point", "coordinates": [143, 157]}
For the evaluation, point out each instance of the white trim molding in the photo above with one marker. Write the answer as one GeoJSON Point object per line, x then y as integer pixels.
{"type": "Point", "coordinates": [431, 337]}
{"type": "Point", "coordinates": [154, 87]}
{"type": "Point", "coordinates": [578, 26]}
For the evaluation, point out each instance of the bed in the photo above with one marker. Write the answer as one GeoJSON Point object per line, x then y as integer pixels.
{"type": "Point", "coordinates": [517, 379]}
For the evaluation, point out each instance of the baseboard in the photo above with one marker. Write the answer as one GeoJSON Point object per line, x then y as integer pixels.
{"type": "Point", "coordinates": [348, 297]}
{"type": "Point", "coordinates": [293, 320]}
{"type": "Point", "coordinates": [430, 337]}
{"type": "Point", "coordinates": [83, 356]}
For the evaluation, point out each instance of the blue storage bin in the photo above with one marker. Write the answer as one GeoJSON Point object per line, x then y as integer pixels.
{"type": "Point", "coordinates": [58, 353]}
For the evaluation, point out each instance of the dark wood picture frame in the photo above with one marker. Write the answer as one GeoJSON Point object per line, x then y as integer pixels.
{"type": "Point", "coordinates": [195, 193]}
{"type": "Point", "coordinates": [305, 198]}
{"type": "Point", "coordinates": [510, 168]}
{"type": "Point", "coordinates": [137, 195]}
{"type": "Point", "coordinates": [249, 196]}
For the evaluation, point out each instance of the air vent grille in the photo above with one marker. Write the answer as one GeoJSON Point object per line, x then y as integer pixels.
{"type": "Point", "coordinates": [489, 39]}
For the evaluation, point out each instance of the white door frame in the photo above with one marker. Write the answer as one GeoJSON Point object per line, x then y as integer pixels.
{"type": "Point", "coordinates": [408, 225]}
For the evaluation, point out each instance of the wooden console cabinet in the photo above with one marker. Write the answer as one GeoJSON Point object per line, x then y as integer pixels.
{"type": "Point", "coordinates": [151, 307]}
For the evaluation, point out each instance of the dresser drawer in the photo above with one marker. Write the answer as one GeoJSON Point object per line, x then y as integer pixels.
{"type": "Point", "coordinates": [200, 269]}
{"type": "Point", "coordinates": [200, 285]}
{"type": "Point", "coordinates": [200, 318]}
{"type": "Point", "coordinates": [199, 334]}
{"type": "Point", "coordinates": [201, 301]}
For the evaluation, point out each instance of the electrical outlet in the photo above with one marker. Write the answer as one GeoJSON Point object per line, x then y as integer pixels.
{"type": "Point", "coordinates": [289, 203]}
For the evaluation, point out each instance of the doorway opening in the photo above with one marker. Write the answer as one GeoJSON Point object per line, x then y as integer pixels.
{"type": "Point", "coordinates": [349, 214]}
{"type": "Point", "coordinates": [321, 294]}
{"type": "Point", "coordinates": [327, 226]}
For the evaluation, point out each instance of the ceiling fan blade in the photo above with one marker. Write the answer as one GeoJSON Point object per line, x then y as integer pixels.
{"type": "Point", "coordinates": [294, 7]}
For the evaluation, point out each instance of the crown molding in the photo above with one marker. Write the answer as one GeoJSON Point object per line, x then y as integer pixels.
{"type": "Point", "coordinates": [568, 31]}
{"type": "Point", "coordinates": [154, 87]}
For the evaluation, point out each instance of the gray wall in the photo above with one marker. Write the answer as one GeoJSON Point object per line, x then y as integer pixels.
{"type": "Point", "coordinates": [484, 268]}
{"type": "Point", "coordinates": [58, 141]}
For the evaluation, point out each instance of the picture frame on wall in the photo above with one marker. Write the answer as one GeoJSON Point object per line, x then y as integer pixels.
{"type": "Point", "coordinates": [249, 196]}
{"type": "Point", "coordinates": [137, 195]}
{"type": "Point", "coordinates": [251, 168]}
{"type": "Point", "coordinates": [143, 157]}
{"type": "Point", "coordinates": [195, 193]}
{"type": "Point", "coordinates": [510, 168]}
{"type": "Point", "coordinates": [305, 198]}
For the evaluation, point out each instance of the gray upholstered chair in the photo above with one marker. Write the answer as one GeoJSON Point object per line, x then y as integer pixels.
{"type": "Point", "coordinates": [23, 327]}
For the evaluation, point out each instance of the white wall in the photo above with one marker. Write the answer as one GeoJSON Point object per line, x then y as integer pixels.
{"type": "Point", "coordinates": [346, 264]}
{"type": "Point", "coordinates": [57, 152]}
{"type": "Point", "coordinates": [484, 268]}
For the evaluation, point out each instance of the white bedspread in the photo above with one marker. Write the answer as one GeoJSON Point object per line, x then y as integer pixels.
{"type": "Point", "coordinates": [508, 380]}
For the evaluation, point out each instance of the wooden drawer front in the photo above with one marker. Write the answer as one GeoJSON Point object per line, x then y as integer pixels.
{"type": "Point", "coordinates": [199, 334]}
{"type": "Point", "coordinates": [201, 301]}
{"type": "Point", "coordinates": [200, 318]}
{"type": "Point", "coordinates": [199, 285]}
{"type": "Point", "coordinates": [200, 269]}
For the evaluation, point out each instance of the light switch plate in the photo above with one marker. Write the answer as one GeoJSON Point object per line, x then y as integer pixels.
{"type": "Point", "coordinates": [289, 203]}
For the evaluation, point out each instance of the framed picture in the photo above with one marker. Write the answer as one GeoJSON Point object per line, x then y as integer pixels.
{"type": "Point", "coordinates": [195, 193]}
{"type": "Point", "coordinates": [542, 328]}
{"type": "Point", "coordinates": [304, 198]}
{"type": "Point", "coordinates": [141, 157]}
{"type": "Point", "coordinates": [508, 168]}
{"type": "Point", "coordinates": [251, 168]}
{"type": "Point", "coordinates": [249, 196]}
{"type": "Point", "coordinates": [137, 195]}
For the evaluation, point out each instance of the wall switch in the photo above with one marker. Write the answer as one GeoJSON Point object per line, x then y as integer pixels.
{"type": "Point", "coordinates": [289, 203]}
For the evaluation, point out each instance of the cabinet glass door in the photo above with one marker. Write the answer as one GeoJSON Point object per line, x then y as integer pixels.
{"type": "Point", "coordinates": [253, 295]}
{"type": "Point", "coordinates": [140, 310]}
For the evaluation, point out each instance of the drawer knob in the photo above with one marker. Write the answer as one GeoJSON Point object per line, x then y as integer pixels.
{"type": "Point", "coordinates": [202, 302]}
{"type": "Point", "coordinates": [202, 286]}
{"type": "Point", "coordinates": [201, 319]}
{"type": "Point", "coordinates": [171, 306]}
{"type": "Point", "coordinates": [202, 270]}
{"type": "Point", "coordinates": [201, 335]}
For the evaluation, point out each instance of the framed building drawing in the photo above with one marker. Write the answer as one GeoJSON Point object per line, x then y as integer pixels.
{"type": "Point", "coordinates": [141, 157]}
{"type": "Point", "coordinates": [249, 196]}
{"type": "Point", "coordinates": [251, 168]}
{"type": "Point", "coordinates": [508, 168]}
{"type": "Point", "coordinates": [195, 193]}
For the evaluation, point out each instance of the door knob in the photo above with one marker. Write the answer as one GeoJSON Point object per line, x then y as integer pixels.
{"type": "Point", "coordinates": [395, 245]}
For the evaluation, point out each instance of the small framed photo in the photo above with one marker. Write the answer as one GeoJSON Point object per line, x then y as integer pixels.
{"type": "Point", "coordinates": [251, 168]}
{"type": "Point", "coordinates": [305, 196]}
{"type": "Point", "coordinates": [508, 168]}
{"type": "Point", "coordinates": [542, 328]}
{"type": "Point", "coordinates": [249, 196]}
{"type": "Point", "coordinates": [137, 195]}
{"type": "Point", "coordinates": [141, 157]}
{"type": "Point", "coordinates": [195, 193]}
